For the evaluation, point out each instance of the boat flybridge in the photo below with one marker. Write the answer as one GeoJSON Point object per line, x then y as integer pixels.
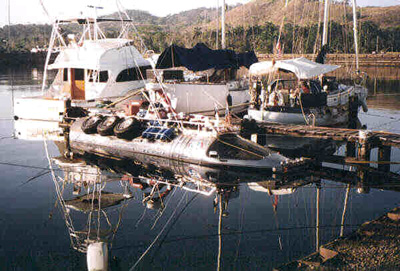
{"type": "Point", "coordinates": [297, 91]}
{"type": "Point", "coordinates": [95, 66]}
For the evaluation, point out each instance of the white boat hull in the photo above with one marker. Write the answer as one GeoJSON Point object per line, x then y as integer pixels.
{"type": "Point", "coordinates": [328, 119]}
{"type": "Point", "coordinates": [204, 98]}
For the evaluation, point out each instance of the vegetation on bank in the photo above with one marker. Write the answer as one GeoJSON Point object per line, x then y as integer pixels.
{"type": "Point", "coordinates": [261, 38]}
{"type": "Point", "coordinates": [191, 27]}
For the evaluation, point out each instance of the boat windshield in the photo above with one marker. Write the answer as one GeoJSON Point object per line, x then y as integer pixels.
{"type": "Point", "coordinates": [230, 146]}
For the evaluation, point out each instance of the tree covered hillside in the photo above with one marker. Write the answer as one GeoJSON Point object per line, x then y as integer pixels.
{"type": "Point", "coordinates": [255, 25]}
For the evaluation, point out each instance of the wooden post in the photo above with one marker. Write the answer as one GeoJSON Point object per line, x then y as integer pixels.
{"type": "Point", "coordinates": [384, 156]}
{"type": "Point", "coordinates": [362, 185]}
{"type": "Point", "coordinates": [353, 113]}
{"type": "Point", "coordinates": [364, 148]}
{"type": "Point", "coordinates": [364, 152]}
{"type": "Point", "coordinates": [350, 149]}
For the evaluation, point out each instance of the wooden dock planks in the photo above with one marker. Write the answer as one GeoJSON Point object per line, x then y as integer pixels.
{"type": "Point", "coordinates": [376, 138]}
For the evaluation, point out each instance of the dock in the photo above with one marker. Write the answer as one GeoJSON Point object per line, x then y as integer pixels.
{"type": "Point", "coordinates": [359, 143]}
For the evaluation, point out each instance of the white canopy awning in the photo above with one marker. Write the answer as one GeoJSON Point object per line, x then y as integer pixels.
{"type": "Point", "coordinates": [301, 67]}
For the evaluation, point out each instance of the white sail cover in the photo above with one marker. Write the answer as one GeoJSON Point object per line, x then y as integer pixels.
{"type": "Point", "coordinates": [301, 67]}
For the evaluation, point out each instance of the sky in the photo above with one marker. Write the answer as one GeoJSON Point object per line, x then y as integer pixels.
{"type": "Point", "coordinates": [31, 11]}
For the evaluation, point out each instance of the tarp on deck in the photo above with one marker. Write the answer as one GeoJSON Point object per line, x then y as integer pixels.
{"type": "Point", "coordinates": [301, 67]}
{"type": "Point", "coordinates": [200, 58]}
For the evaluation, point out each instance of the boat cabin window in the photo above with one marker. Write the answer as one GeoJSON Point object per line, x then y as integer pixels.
{"type": "Point", "coordinates": [65, 75]}
{"type": "Point", "coordinates": [79, 74]}
{"type": "Point", "coordinates": [94, 76]}
{"type": "Point", "coordinates": [284, 84]}
{"type": "Point", "coordinates": [230, 146]}
{"type": "Point", "coordinates": [103, 76]}
{"type": "Point", "coordinates": [133, 74]}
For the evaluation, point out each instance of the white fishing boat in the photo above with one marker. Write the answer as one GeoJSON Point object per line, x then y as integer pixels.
{"type": "Point", "coordinates": [301, 98]}
{"type": "Point", "coordinates": [93, 67]}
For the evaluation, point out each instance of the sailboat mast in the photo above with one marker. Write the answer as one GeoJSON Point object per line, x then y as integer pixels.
{"type": "Point", "coordinates": [355, 32]}
{"type": "Point", "coordinates": [223, 25]}
{"type": "Point", "coordinates": [217, 36]}
{"type": "Point", "coordinates": [326, 19]}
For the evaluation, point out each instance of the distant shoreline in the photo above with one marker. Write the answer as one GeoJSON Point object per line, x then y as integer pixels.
{"type": "Point", "coordinates": [378, 60]}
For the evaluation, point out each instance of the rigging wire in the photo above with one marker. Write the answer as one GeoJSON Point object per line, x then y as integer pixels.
{"type": "Point", "coordinates": [40, 174]}
{"type": "Point", "coordinates": [159, 234]}
{"type": "Point", "coordinates": [172, 225]}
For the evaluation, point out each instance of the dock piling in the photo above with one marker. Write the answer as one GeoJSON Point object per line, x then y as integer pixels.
{"type": "Point", "coordinates": [384, 153]}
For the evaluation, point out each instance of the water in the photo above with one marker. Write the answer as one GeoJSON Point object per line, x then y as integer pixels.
{"type": "Point", "coordinates": [259, 231]}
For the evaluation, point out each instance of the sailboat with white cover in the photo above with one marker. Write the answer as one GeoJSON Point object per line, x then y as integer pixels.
{"type": "Point", "coordinates": [285, 102]}
{"type": "Point", "coordinates": [308, 96]}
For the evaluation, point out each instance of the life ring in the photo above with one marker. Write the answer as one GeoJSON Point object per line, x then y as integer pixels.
{"type": "Point", "coordinates": [89, 125]}
{"type": "Point", "coordinates": [106, 127]}
{"type": "Point", "coordinates": [129, 128]}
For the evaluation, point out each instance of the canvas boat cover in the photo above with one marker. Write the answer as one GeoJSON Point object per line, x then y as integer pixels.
{"type": "Point", "coordinates": [301, 67]}
{"type": "Point", "coordinates": [200, 58]}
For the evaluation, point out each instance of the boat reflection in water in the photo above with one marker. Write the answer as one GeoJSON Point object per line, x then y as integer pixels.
{"type": "Point", "coordinates": [101, 189]}
{"type": "Point", "coordinates": [84, 190]}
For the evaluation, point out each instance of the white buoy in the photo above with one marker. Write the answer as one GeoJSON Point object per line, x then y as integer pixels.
{"type": "Point", "coordinates": [97, 257]}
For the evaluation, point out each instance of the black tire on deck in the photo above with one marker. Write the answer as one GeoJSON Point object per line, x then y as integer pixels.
{"type": "Point", "coordinates": [129, 128]}
{"type": "Point", "coordinates": [89, 126]}
{"type": "Point", "coordinates": [106, 127]}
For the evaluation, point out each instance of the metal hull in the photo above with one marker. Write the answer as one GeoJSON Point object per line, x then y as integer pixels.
{"type": "Point", "coordinates": [190, 148]}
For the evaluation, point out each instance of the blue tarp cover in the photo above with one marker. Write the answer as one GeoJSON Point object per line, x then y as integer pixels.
{"type": "Point", "coordinates": [200, 58]}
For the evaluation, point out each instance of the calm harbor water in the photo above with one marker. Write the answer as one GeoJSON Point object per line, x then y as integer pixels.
{"type": "Point", "coordinates": [260, 230]}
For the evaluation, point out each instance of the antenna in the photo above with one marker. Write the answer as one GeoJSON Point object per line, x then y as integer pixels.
{"type": "Point", "coordinates": [95, 27]}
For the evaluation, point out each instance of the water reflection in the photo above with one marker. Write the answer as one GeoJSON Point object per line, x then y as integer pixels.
{"type": "Point", "coordinates": [94, 193]}
{"type": "Point", "coordinates": [264, 220]}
